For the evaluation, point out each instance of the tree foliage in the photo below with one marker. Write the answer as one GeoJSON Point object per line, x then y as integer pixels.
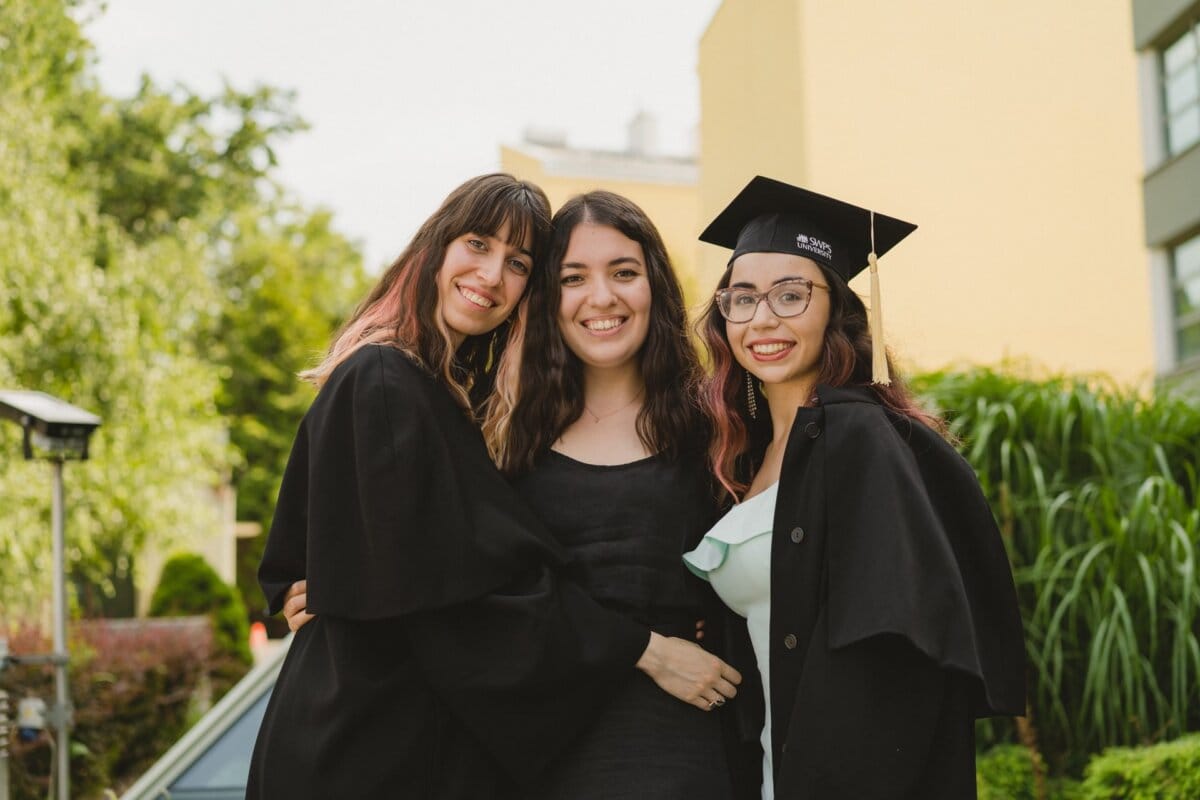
{"type": "Point", "coordinates": [153, 273]}
{"type": "Point", "coordinates": [283, 298]}
{"type": "Point", "coordinates": [162, 157]}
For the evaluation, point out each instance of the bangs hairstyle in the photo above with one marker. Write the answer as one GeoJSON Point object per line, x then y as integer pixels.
{"type": "Point", "coordinates": [539, 385]}
{"type": "Point", "coordinates": [404, 309]}
{"type": "Point", "coordinates": [739, 439]}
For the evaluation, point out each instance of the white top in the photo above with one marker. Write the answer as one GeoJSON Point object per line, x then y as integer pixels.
{"type": "Point", "coordinates": [735, 557]}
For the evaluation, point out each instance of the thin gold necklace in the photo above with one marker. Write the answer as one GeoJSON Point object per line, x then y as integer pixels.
{"type": "Point", "coordinates": [597, 417]}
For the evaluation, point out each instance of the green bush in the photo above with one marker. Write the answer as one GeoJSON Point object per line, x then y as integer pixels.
{"type": "Point", "coordinates": [188, 585]}
{"type": "Point", "coordinates": [1095, 491]}
{"type": "Point", "coordinates": [1006, 773]}
{"type": "Point", "coordinates": [133, 684]}
{"type": "Point", "coordinates": [1166, 771]}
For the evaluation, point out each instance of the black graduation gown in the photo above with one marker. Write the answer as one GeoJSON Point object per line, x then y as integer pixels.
{"type": "Point", "coordinates": [894, 620]}
{"type": "Point", "coordinates": [446, 659]}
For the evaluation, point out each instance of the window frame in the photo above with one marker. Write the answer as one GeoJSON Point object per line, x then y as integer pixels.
{"type": "Point", "coordinates": [1181, 320]}
{"type": "Point", "coordinates": [1192, 29]}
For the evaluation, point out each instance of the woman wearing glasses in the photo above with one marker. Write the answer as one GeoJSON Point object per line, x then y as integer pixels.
{"type": "Point", "coordinates": [875, 590]}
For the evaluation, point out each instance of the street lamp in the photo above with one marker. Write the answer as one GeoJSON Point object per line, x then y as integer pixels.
{"type": "Point", "coordinates": [54, 431]}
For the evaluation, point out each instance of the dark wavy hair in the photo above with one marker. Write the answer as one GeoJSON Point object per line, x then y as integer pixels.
{"type": "Point", "coordinates": [539, 387]}
{"type": "Point", "coordinates": [404, 308]}
{"type": "Point", "coordinates": [739, 439]}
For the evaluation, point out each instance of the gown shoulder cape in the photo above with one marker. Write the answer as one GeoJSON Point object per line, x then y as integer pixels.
{"type": "Point", "coordinates": [446, 660]}
{"type": "Point", "coordinates": [402, 511]}
{"type": "Point", "coordinates": [914, 549]}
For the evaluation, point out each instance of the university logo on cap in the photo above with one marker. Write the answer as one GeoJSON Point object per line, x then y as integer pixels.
{"type": "Point", "coordinates": [767, 215]}
{"type": "Point", "coordinates": [818, 247]}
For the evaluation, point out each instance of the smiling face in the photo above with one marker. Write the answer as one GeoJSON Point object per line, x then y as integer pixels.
{"type": "Point", "coordinates": [777, 350]}
{"type": "Point", "coordinates": [604, 309]}
{"type": "Point", "coordinates": [480, 282]}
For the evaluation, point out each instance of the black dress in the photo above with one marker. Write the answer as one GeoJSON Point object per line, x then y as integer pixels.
{"type": "Point", "coordinates": [625, 528]}
{"type": "Point", "coordinates": [447, 660]}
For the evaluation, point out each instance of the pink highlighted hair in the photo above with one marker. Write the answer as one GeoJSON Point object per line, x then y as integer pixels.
{"type": "Point", "coordinates": [404, 310]}
{"type": "Point", "coordinates": [739, 439]}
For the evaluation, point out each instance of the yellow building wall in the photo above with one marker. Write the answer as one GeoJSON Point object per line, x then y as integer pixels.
{"type": "Point", "coordinates": [751, 115]}
{"type": "Point", "coordinates": [674, 209]}
{"type": "Point", "coordinates": [1007, 131]}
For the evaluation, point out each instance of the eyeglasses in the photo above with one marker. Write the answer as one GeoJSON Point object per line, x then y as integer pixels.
{"type": "Point", "coordinates": [788, 298]}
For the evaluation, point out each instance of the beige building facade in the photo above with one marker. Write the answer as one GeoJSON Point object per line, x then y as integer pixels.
{"type": "Point", "coordinates": [1007, 131]}
{"type": "Point", "coordinates": [665, 187]}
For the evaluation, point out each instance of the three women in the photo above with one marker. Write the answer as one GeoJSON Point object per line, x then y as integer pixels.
{"type": "Point", "coordinates": [875, 590]}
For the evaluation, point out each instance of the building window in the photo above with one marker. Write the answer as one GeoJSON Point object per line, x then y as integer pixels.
{"type": "Point", "coordinates": [1185, 282]}
{"type": "Point", "coordinates": [1181, 87]}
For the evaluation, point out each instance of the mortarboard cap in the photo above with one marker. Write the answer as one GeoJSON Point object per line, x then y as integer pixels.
{"type": "Point", "coordinates": [769, 216]}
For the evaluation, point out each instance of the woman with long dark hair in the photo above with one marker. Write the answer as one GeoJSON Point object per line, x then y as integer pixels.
{"type": "Point", "coordinates": [865, 571]}
{"type": "Point", "coordinates": [597, 419]}
{"type": "Point", "coordinates": [445, 658]}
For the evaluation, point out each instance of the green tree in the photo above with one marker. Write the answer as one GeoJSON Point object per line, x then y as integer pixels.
{"type": "Point", "coordinates": [152, 273]}
{"type": "Point", "coordinates": [162, 158]}
{"type": "Point", "coordinates": [119, 341]}
{"type": "Point", "coordinates": [289, 281]}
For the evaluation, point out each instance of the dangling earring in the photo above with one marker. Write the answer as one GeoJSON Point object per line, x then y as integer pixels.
{"type": "Point", "coordinates": [751, 403]}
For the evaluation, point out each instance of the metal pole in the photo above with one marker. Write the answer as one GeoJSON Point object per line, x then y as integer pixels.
{"type": "Point", "coordinates": [3, 745]}
{"type": "Point", "coordinates": [62, 700]}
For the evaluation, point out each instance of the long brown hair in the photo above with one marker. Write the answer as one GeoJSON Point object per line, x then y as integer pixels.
{"type": "Point", "coordinates": [539, 387]}
{"type": "Point", "coordinates": [739, 438]}
{"type": "Point", "coordinates": [404, 308]}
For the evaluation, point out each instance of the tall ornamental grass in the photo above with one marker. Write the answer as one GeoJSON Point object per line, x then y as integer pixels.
{"type": "Point", "coordinates": [1095, 490]}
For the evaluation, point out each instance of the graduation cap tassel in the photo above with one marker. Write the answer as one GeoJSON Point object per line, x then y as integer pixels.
{"type": "Point", "coordinates": [879, 366]}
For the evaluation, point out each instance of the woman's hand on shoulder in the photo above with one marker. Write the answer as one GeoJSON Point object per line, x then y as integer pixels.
{"type": "Point", "coordinates": [688, 672]}
{"type": "Point", "coordinates": [295, 605]}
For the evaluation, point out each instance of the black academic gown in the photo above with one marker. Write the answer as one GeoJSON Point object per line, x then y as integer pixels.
{"type": "Point", "coordinates": [446, 660]}
{"type": "Point", "coordinates": [894, 620]}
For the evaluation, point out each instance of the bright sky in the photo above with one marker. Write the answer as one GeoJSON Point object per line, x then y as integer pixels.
{"type": "Point", "coordinates": [407, 98]}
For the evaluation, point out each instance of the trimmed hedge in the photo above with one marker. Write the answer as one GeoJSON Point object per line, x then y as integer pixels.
{"type": "Point", "coordinates": [1006, 772]}
{"type": "Point", "coordinates": [1166, 771]}
{"type": "Point", "coordinates": [188, 585]}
